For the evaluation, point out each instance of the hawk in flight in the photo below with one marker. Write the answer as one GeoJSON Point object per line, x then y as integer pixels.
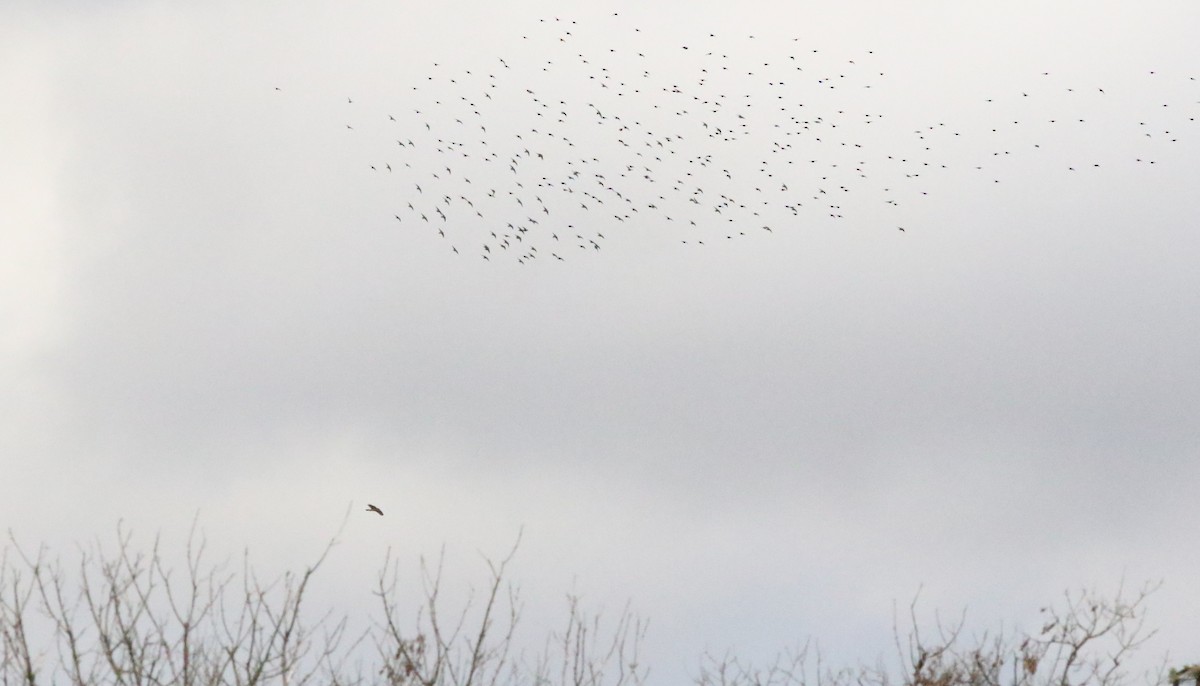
{"type": "Point", "coordinates": [376, 510]}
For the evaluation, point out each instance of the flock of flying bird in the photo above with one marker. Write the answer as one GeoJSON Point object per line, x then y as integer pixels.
{"type": "Point", "coordinates": [555, 155]}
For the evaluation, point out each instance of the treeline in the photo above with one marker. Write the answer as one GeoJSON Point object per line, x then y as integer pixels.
{"type": "Point", "coordinates": [125, 617]}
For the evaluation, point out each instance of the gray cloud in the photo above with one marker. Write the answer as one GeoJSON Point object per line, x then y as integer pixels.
{"type": "Point", "coordinates": [997, 403]}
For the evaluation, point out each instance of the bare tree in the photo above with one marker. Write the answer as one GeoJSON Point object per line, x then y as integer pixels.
{"type": "Point", "coordinates": [126, 619]}
{"type": "Point", "coordinates": [16, 656]}
{"type": "Point", "coordinates": [802, 666]}
{"type": "Point", "coordinates": [123, 617]}
{"type": "Point", "coordinates": [474, 646]}
{"type": "Point", "coordinates": [438, 651]}
{"type": "Point", "coordinates": [1084, 641]}
{"type": "Point", "coordinates": [588, 653]}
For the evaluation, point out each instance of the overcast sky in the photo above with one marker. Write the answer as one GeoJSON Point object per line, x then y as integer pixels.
{"type": "Point", "coordinates": [208, 305]}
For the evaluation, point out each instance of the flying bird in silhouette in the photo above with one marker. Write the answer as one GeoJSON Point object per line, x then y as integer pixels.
{"type": "Point", "coordinates": [657, 179]}
{"type": "Point", "coordinates": [376, 510]}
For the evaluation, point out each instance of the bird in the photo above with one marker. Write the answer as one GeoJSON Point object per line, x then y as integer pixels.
{"type": "Point", "coordinates": [376, 510]}
{"type": "Point", "coordinates": [652, 161]}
